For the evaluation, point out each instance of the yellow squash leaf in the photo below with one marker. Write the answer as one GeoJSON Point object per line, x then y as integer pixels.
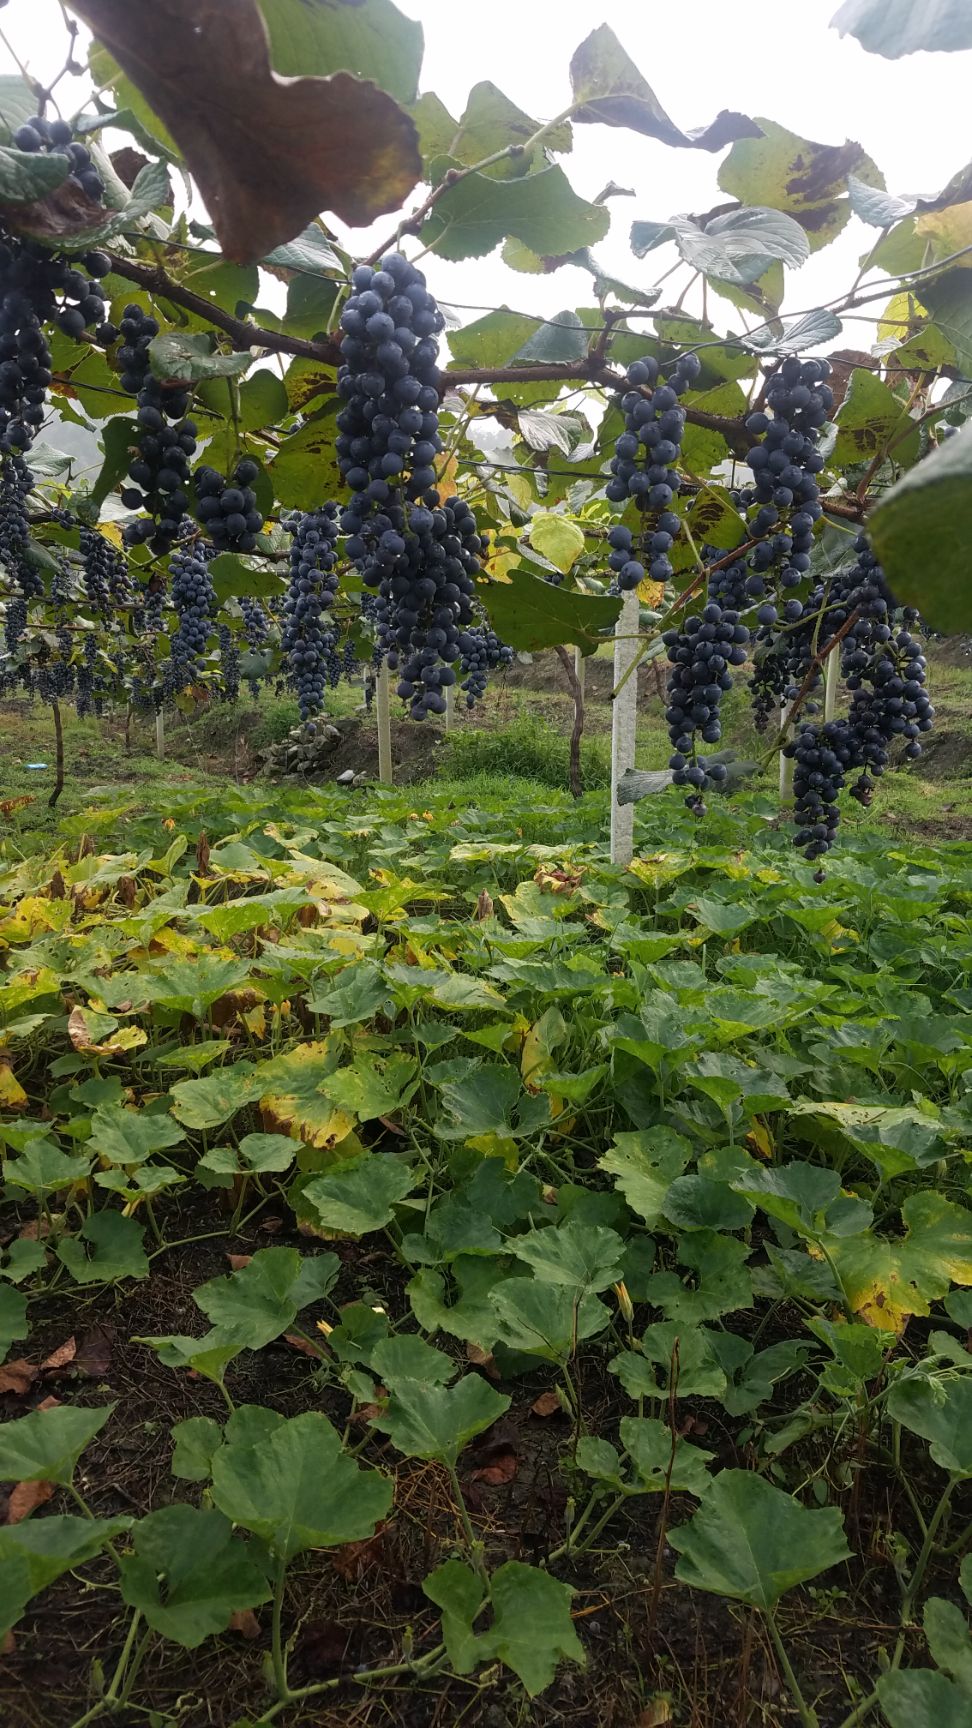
{"type": "Point", "coordinates": [12, 1094]}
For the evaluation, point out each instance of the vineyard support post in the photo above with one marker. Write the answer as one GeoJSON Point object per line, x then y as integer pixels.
{"type": "Point", "coordinates": [383, 713]}
{"type": "Point", "coordinates": [160, 734]}
{"type": "Point", "coordinates": [624, 722]}
{"type": "Point", "coordinates": [786, 765]}
{"type": "Point", "coordinates": [830, 684]}
{"type": "Point", "coordinates": [450, 707]}
{"type": "Point", "coordinates": [580, 672]}
{"type": "Point", "coordinates": [58, 756]}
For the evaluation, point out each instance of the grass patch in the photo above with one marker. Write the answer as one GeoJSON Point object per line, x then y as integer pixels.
{"type": "Point", "coordinates": [527, 749]}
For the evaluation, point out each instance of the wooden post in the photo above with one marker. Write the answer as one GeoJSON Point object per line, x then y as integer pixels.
{"type": "Point", "coordinates": [787, 766]}
{"type": "Point", "coordinates": [58, 757]}
{"type": "Point", "coordinates": [624, 724]}
{"type": "Point", "coordinates": [383, 712]}
{"type": "Point", "coordinates": [577, 693]}
{"type": "Point", "coordinates": [160, 734]}
{"type": "Point", "coordinates": [831, 682]}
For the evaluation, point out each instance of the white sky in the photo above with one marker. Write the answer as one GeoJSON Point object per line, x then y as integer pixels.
{"type": "Point", "coordinates": [784, 62]}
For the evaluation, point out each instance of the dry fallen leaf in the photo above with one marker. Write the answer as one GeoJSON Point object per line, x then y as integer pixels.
{"type": "Point", "coordinates": [304, 1345]}
{"type": "Point", "coordinates": [25, 1497]}
{"type": "Point", "coordinates": [17, 1377]}
{"type": "Point", "coordinates": [325, 143]}
{"type": "Point", "coordinates": [60, 1358]}
{"type": "Point", "coordinates": [498, 1471]}
{"type": "Point", "coordinates": [49, 1403]}
{"type": "Point", "coordinates": [352, 1559]}
{"type": "Point", "coordinates": [657, 1714]}
{"type": "Point", "coordinates": [94, 1353]}
{"type": "Point", "coordinates": [8, 1644]}
{"type": "Point", "coordinates": [548, 1404]}
{"type": "Point", "coordinates": [484, 906]}
{"type": "Point", "coordinates": [245, 1622]}
{"type": "Point", "coordinates": [238, 1261]}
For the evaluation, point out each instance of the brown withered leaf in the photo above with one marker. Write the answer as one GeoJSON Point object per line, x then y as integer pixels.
{"type": "Point", "coordinates": [498, 1471]}
{"type": "Point", "coordinates": [548, 1404]}
{"type": "Point", "coordinates": [8, 1644]}
{"type": "Point", "coordinates": [25, 1497]}
{"type": "Point", "coordinates": [483, 1359]}
{"type": "Point", "coordinates": [49, 1403]}
{"type": "Point", "coordinates": [334, 143]}
{"type": "Point", "coordinates": [238, 1261]}
{"type": "Point", "coordinates": [60, 1358]}
{"type": "Point", "coordinates": [245, 1622]}
{"type": "Point", "coordinates": [657, 1714]}
{"type": "Point", "coordinates": [484, 905]}
{"type": "Point", "coordinates": [234, 1004]}
{"type": "Point", "coordinates": [9, 805]}
{"type": "Point", "coordinates": [203, 850]}
{"type": "Point", "coordinates": [94, 1353]}
{"type": "Point", "coordinates": [353, 1559]}
{"type": "Point", "coordinates": [17, 1377]}
{"type": "Point", "coordinates": [35, 1230]}
{"type": "Point", "coordinates": [304, 1345]}
{"type": "Point", "coordinates": [57, 889]}
{"type": "Point", "coordinates": [128, 164]}
{"type": "Point", "coordinates": [127, 890]}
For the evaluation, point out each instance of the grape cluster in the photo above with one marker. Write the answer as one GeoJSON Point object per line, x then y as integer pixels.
{"type": "Point", "coordinates": [55, 138]}
{"type": "Point", "coordinates": [419, 555]}
{"type": "Point", "coordinates": [227, 510]}
{"type": "Point", "coordinates": [256, 624]}
{"type": "Point", "coordinates": [822, 756]}
{"type": "Point", "coordinates": [784, 465]}
{"type": "Point", "coordinates": [15, 485]}
{"type": "Point", "coordinates": [702, 651]}
{"type": "Point", "coordinates": [229, 664]}
{"type": "Point", "coordinates": [885, 670]}
{"type": "Point", "coordinates": [423, 563]}
{"type": "Point", "coordinates": [727, 586]}
{"type": "Point", "coordinates": [643, 467]}
{"type": "Point", "coordinates": [35, 288]}
{"type": "Point", "coordinates": [481, 651]}
{"type": "Point", "coordinates": [160, 471]}
{"type": "Point", "coordinates": [308, 633]}
{"type": "Point", "coordinates": [388, 431]}
{"type": "Point", "coordinates": [106, 579]}
{"type": "Point", "coordinates": [23, 581]}
{"type": "Point", "coordinates": [192, 596]}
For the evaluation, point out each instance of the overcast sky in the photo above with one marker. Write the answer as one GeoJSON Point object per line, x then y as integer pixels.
{"type": "Point", "coordinates": [784, 62]}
